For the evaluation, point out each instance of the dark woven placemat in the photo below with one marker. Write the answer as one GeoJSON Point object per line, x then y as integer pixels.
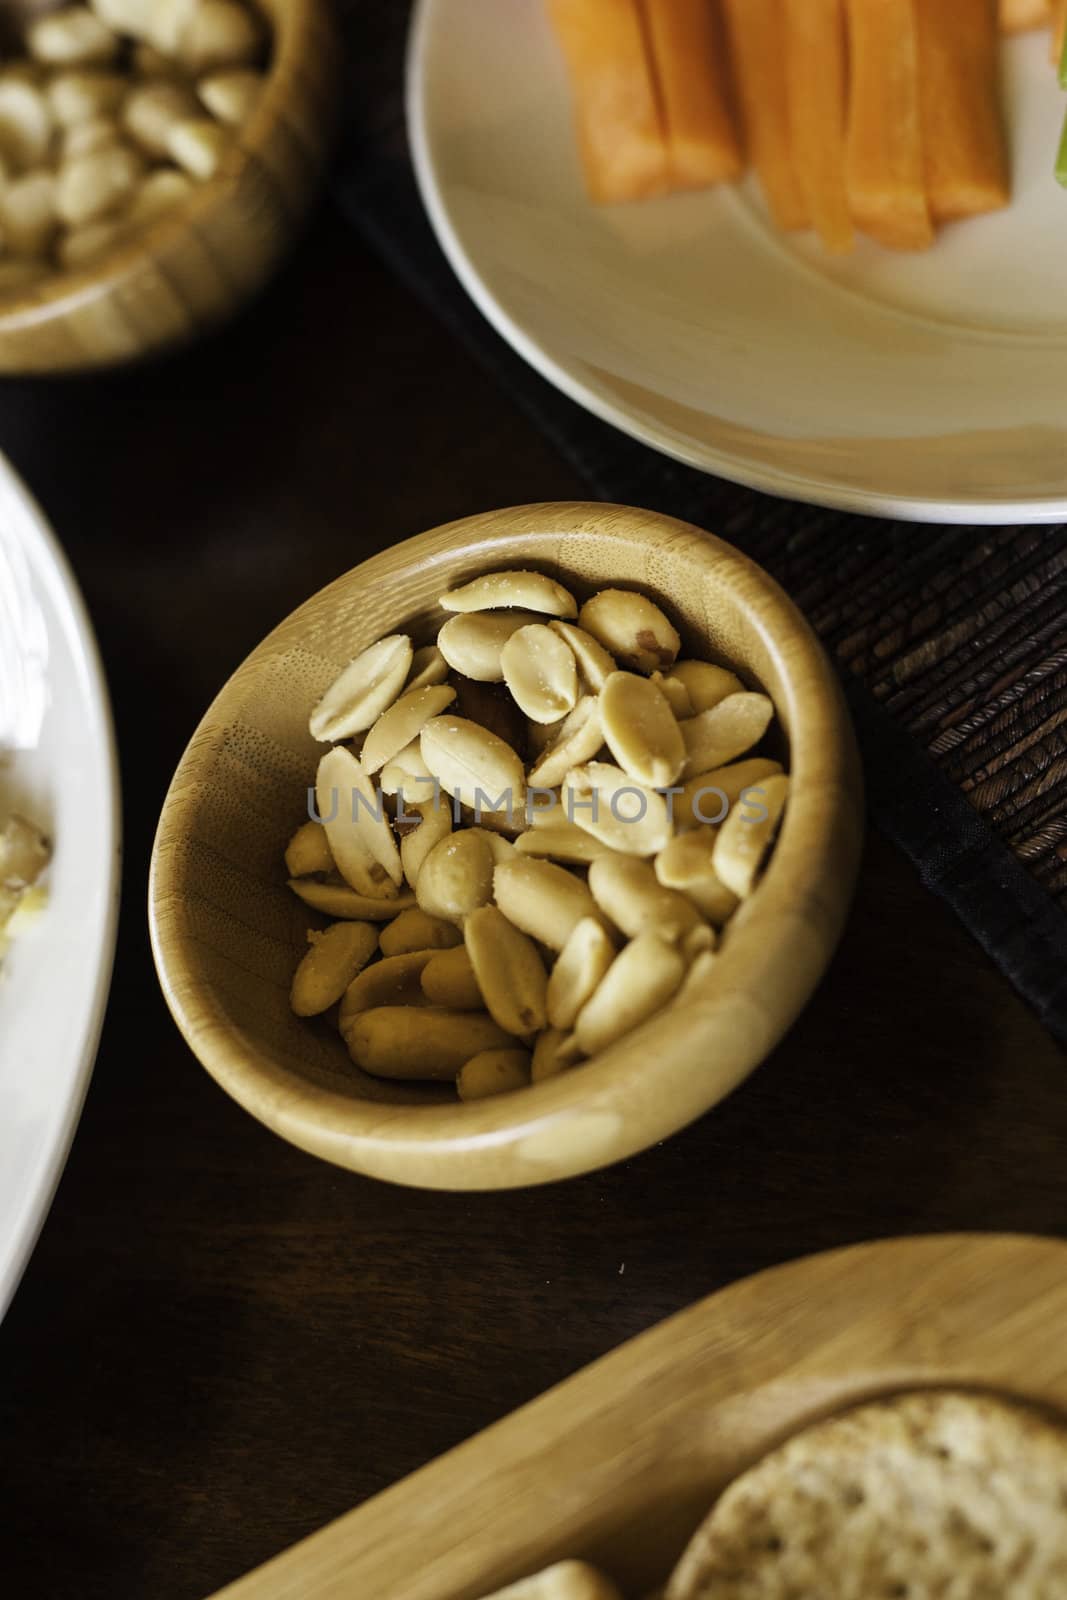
{"type": "Point", "coordinates": [952, 641]}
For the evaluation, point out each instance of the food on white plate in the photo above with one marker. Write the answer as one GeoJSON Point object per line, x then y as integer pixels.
{"type": "Point", "coordinates": [24, 855]}
{"type": "Point", "coordinates": [882, 117]}
{"type": "Point", "coordinates": [507, 908]}
{"type": "Point", "coordinates": [923, 1496]}
{"type": "Point", "coordinates": [567, 1580]}
{"type": "Point", "coordinates": [111, 115]}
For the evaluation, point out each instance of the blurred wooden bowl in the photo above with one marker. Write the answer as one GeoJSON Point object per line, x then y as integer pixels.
{"type": "Point", "coordinates": [227, 933]}
{"type": "Point", "coordinates": [189, 270]}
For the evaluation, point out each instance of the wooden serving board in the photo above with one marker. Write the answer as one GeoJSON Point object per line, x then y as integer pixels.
{"type": "Point", "coordinates": [619, 1463]}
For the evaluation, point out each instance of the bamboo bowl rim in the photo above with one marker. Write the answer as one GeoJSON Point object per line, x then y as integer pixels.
{"type": "Point", "coordinates": [641, 1089]}
{"type": "Point", "coordinates": [292, 24]}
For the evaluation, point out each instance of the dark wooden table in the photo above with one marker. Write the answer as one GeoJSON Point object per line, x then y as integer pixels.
{"type": "Point", "coordinates": [221, 1343]}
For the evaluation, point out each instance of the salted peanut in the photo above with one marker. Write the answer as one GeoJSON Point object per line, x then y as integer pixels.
{"type": "Point", "coordinates": [580, 737]}
{"type": "Point", "coordinates": [420, 1041]}
{"type": "Point", "coordinates": [24, 853]}
{"type": "Point", "coordinates": [542, 899]}
{"type": "Point", "coordinates": [566, 842]}
{"type": "Point", "coordinates": [725, 731]}
{"type": "Point", "coordinates": [499, 847]}
{"type": "Point", "coordinates": [198, 146]}
{"type": "Point", "coordinates": [641, 730]}
{"type": "Point", "coordinates": [632, 897]}
{"type": "Point", "coordinates": [407, 772]}
{"type": "Point", "coordinates": [473, 765]}
{"type": "Point", "coordinates": [675, 693]}
{"type": "Point", "coordinates": [606, 802]}
{"type": "Point", "coordinates": [553, 1052]}
{"type": "Point", "coordinates": [402, 723]}
{"type": "Point", "coordinates": [73, 36]}
{"type": "Point", "coordinates": [747, 834]}
{"type": "Point", "coordinates": [594, 662]}
{"type": "Point", "coordinates": [338, 900]}
{"type": "Point", "coordinates": [86, 138]}
{"type": "Point", "coordinates": [219, 33]}
{"type": "Point", "coordinates": [357, 829]}
{"type": "Point", "coordinates": [540, 671]}
{"type": "Point", "coordinates": [581, 964]}
{"type": "Point", "coordinates": [686, 865]}
{"type": "Point", "coordinates": [231, 96]}
{"type": "Point", "coordinates": [79, 96]}
{"type": "Point", "coordinates": [358, 696]}
{"type": "Point", "coordinates": [567, 1580]}
{"type": "Point", "coordinates": [28, 214]}
{"type": "Point", "coordinates": [417, 839]}
{"type": "Point", "coordinates": [416, 930]}
{"type": "Point", "coordinates": [632, 628]}
{"type": "Point", "coordinates": [700, 970]}
{"type": "Point", "coordinates": [152, 110]}
{"type": "Point", "coordinates": [25, 123]}
{"type": "Point", "coordinates": [81, 245]}
{"type": "Point", "coordinates": [428, 666]}
{"type": "Point", "coordinates": [472, 644]}
{"type": "Point", "coordinates": [308, 851]}
{"type": "Point", "coordinates": [160, 192]}
{"type": "Point", "coordinates": [708, 797]}
{"type": "Point", "coordinates": [21, 273]}
{"type": "Point", "coordinates": [529, 591]}
{"type": "Point", "coordinates": [493, 1072]}
{"type": "Point", "coordinates": [393, 981]}
{"type": "Point", "coordinates": [448, 980]}
{"type": "Point", "coordinates": [641, 979]}
{"type": "Point", "coordinates": [509, 970]}
{"type": "Point", "coordinates": [332, 963]}
{"type": "Point", "coordinates": [92, 186]}
{"type": "Point", "coordinates": [706, 684]}
{"type": "Point", "coordinates": [456, 876]}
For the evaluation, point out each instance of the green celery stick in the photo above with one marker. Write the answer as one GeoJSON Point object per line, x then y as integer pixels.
{"type": "Point", "coordinates": [1061, 158]}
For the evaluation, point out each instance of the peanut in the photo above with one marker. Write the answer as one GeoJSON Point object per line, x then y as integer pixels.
{"type": "Point", "coordinates": [335, 957]}
{"type": "Point", "coordinates": [632, 628]}
{"type": "Point", "coordinates": [530, 591]}
{"type": "Point", "coordinates": [493, 1072]}
{"type": "Point", "coordinates": [421, 1041]}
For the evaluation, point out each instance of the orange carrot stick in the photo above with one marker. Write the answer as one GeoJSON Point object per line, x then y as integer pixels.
{"type": "Point", "coordinates": [1059, 28]}
{"type": "Point", "coordinates": [1016, 16]}
{"type": "Point", "coordinates": [689, 61]}
{"type": "Point", "coordinates": [756, 33]}
{"type": "Point", "coordinates": [883, 145]}
{"type": "Point", "coordinates": [620, 129]}
{"type": "Point", "coordinates": [965, 151]}
{"type": "Point", "coordinates": [816, 55]}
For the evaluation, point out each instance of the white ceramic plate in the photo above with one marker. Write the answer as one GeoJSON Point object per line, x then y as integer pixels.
{"type": "Point", "coordinates": [931, 386]}
{"type": "Point", "coordinates": [62, 773]}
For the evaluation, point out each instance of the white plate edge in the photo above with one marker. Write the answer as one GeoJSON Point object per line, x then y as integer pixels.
{"type": "Point", "coordinates": [49, 563]}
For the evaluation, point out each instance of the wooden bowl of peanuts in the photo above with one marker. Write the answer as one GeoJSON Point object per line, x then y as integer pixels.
{"type": "Point", "coordinates": [511, 852]}
{"type": "Point", "coordinates": [157, 157]}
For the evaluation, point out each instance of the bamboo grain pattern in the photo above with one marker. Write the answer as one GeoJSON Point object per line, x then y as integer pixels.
{"type": "Point", "coordinates": [189, 270]}
{"type": "Point", "coordinates": [621, 1462]}
{"type": "Point", "coordinates": [227, 933]}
